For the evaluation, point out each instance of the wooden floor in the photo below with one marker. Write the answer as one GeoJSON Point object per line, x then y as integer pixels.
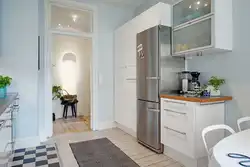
{"type": "Point", "coordinates": [128, 144]}
{"type": "Point", "coordinates": [71, 125]}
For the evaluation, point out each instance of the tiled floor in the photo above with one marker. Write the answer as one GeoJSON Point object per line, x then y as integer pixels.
{"type": "Point", "coordinates": [128, 144]}
{"type": "Point", "coordinates": [71, 125]}
{"type": "Point", "coordinates": [44, 156]}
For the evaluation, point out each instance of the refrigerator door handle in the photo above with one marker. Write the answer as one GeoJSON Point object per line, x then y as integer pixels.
{"type": "Point", "coordinates": [153, 78]}
{"type": "Point", "coordinates": [153, 110]}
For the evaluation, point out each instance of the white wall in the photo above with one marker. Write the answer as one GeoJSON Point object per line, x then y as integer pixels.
{"type": "Point", "coordinates": [18, 58]}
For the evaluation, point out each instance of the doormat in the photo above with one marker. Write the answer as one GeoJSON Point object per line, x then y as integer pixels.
{"type": "Point", "coordinates": [100, 153]}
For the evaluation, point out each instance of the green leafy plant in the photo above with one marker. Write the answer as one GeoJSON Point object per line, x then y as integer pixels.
{"type": "Point", "coordinates": [57, 92]}
{"type": "Point", "coordinates": [216, 82]}
{"type": "Point", "coordinates": [5, 81]}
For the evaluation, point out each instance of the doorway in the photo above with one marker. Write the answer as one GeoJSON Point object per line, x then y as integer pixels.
{"type": "Point", "coordinates": [71, 47]}
{"type": "Point", "coordinates": [71, 56]}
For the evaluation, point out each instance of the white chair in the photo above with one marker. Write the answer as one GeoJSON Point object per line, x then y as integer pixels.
{"type": "Point", "coordinates": [213, 128]}
{"type": "Point", "coordinates": [241, 120]}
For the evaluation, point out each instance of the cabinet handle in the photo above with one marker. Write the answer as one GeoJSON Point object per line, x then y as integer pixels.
{"type": "Point", "coordinates": [153, 78]}
{"type": "Point", "coordinates": [39, 53]}
{"type": "Point", "coordinates": [131, 79]}
{"type": "Point", "coordinates": [181, 113]}
{"type": "Point", "coordinates": [182, 133]}
{"type": "Point", "coordinates": [8, 126]}
{"type": "Point", "coordinates": [153, 110]}
{"type": "Point", "coordinates": [167, 101]}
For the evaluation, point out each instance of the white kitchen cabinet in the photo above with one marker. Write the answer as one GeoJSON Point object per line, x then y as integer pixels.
{"type": "Point", "coordinates": [125, 63]}
{"type": "Point", "coordinates": [160, 14]}
{"type": "Point", "coordinates": [187, 10]}
{"type": "Point", "coordinates": [202, 27]}
{"type": "Point", "coordinates": [182, 123]}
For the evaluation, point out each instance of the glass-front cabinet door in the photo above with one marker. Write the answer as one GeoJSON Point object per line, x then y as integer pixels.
{"type": "Point", "coordinates": [188, 10]}
{"type": "Point", "coordinates": [193, 37]}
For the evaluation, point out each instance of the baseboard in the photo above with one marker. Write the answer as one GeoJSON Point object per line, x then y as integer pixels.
{"type": "Point", "coordinates": [105, 125]}
{"type": "Point", "coordinates": [125, 129]}
{"type": "Point", "coordinates": [185, 160]}
{"type": "Point", "coordinates": [27, 142]}
{"type": "Point", "coordinates": [43, 137]}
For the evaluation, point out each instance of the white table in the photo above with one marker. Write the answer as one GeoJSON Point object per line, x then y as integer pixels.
{"type": "Point", "coordinates": [237, 143]}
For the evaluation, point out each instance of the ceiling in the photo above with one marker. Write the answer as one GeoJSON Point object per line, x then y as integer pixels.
{"type": "Point", "coordinates": [136, 3]}
{"type": "Point", "coordinates": [123, 3]}
{"type": "Point", "coordinates": [129, 3]}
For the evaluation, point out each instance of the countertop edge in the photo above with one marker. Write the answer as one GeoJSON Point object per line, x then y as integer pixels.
{"type": "Point", "coordinates": [197, 99]}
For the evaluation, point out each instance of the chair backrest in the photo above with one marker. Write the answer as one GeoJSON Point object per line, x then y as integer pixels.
{"type": "Point", "coordinates": [213, 128]}
{"type": "Point", "coordinates": [241, 120]}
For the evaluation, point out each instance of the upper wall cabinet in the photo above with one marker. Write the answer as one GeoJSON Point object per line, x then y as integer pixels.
{"type": "Point", "coordinates": [202, 26]}
{"type": "Point", "coordinates": [188, 10]}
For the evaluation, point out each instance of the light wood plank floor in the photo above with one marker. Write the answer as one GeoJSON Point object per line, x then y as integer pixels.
{"type": "Point", "coordinates": [128, 144]}
{"type": "Point", "coordinates": [71, 125]}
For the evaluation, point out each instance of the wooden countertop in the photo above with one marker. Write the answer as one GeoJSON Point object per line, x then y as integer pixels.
{"type": "Point", "coordinates": [196, 99]}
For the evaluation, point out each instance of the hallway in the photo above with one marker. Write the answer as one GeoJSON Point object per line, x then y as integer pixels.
{"type": "Point", "coordinates": [71, 125]}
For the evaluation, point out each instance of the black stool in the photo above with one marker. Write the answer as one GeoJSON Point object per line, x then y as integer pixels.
{"type": "Point", "coordinates": [66, 102]}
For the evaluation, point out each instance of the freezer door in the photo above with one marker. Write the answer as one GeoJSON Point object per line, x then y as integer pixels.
{"type": "Point", "coordinates": [148, 123]}
{"type": "Point", "coordinates": [148, 65]}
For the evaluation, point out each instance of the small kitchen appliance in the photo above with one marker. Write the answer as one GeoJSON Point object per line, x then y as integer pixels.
{"type": "Point", "coordinates": [185, 79]}
{"type": "Point", "coordinates": [195, 84]}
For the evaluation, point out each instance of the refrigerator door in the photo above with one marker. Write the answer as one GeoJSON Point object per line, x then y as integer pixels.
{"type": "Point", "coordinates": [148, 65]}
{"type": "Point", "coordinates": [148, 124]}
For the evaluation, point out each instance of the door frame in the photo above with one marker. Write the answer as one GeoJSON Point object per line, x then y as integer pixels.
{"type": "Point", "coordinates": [47, 130]}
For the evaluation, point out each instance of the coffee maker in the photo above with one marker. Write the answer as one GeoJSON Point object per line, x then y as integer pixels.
{"type": "Point", "coordinates": [185, 81]}
{"type": "Point", "coordinates": [194, 84]}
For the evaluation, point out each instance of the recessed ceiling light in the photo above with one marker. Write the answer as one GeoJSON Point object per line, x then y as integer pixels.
{"type": "Point", "coordinates": [190, 6]}
{"type": "Point", "coordinates": [206, 4]}
{"type": "Point", "coordinates": [198, 2]}
{"type": "Point", "coordinates": [74, 17]}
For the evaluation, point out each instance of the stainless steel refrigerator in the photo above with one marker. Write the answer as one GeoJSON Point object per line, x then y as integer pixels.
{"type": "Point", "coordinates": [157, 71]}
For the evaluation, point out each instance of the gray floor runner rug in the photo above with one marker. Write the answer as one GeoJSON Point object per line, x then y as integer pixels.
{"type": "Point", "coordinates": [100, 153]}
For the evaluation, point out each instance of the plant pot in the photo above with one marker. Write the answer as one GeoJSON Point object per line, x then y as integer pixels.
{"type": "Point", "coordinates": [213, 91]}
{"type": "Point", "coordinates": [3, 92]}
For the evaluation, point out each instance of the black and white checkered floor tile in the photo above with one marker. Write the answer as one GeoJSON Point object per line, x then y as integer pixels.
{"type": "Point", "coordinates": [42, 156]}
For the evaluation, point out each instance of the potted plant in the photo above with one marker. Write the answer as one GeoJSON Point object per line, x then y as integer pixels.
{"type": "Point", "coordinates": [57, 92]}
{"type": "Point", "coordinates": [214, 84]}
{"type": "Point", "coordinates": [4, 82]}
